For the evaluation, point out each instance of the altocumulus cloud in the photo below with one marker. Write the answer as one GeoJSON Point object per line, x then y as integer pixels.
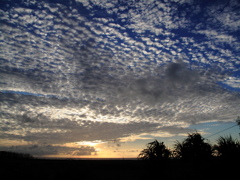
{"type": "Point", "coordinates": [103, 70]}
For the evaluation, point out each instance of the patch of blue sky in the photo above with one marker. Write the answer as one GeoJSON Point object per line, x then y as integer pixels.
{"type": "Point", "coordinates": [21, 92]}
{"type": "Point", "coordinates": [212, 130]}
{"type": "Point", "coordinates": [229, 87]}
{"type": "Point", "coordinates": [28, 93]}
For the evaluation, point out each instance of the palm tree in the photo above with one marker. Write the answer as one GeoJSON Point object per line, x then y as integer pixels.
{"type": "Point", "coordinates": [155, 151]}
{"type": "Point", "coordinates": [193, 148]}
{"type": "Point", "coordinates": [227, 147]}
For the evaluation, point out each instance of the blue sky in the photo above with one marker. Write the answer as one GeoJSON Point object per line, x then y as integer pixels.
{"type": "Point", "coordinates": [102, 78]}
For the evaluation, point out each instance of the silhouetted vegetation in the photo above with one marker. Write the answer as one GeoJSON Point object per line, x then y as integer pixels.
{"type": "Point", "coordinates": [194, 158]}
{"type": "Point", "coordinates": [227, 147]}
{"type": "Point", "coordinates": [155, 151]}
{"type": "Point", "coordinates": [14, 155]}
{"type": "Point", "coordinates": [193, 147]}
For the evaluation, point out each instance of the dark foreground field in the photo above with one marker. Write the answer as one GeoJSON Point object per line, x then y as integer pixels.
{"type": "Point", "coordinates": [35, 169]}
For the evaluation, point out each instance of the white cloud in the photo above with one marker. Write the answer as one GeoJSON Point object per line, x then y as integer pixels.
{"type": "Point", "coordinates": [218, 36]}
{"type": "Point", "coordinates": [228, 16]}
{"type": "Point", "coordinates": [84, 2]}
{"type": "Point", "coordinates": [232, 82]}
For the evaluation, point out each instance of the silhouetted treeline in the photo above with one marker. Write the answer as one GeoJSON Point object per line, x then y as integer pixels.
{"type": "Point", "coordinates": [227, 148]}
{"type": "Point", "coordinates": [193, 148]}
{"type": "Point", "coordinates": [14, 155]}
{"type": "Point", "coordinates": [155, 151]}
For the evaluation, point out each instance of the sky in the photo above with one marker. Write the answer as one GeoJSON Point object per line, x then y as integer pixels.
{"type": "Point", "coordinates": [102, 78]}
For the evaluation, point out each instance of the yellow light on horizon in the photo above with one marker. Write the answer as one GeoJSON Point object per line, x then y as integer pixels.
{"type": "Point", "coordinates": [89, 143]}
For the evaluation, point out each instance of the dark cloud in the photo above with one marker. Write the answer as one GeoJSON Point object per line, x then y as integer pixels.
{"type": "Point", "coordinates": [43, 150]}
{"type": "Point", "coordinates": [83, 150]}
{"type": "Point", "coordinates": [87, 131]}
{"type": "Point", "coordinates": [178, 73]}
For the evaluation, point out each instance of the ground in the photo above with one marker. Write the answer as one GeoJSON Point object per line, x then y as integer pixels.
{"type": "Point", "coordinates": [114, 169]}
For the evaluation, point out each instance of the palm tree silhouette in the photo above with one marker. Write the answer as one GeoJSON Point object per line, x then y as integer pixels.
{"type": "Point", "coordinates": [193, 148]}
{"type": "Point", "coordinates": [227, 147]}
{"type": "Point", "coordinates": [155, 151]}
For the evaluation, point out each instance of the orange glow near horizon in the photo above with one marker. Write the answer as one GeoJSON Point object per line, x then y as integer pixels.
{"type": "Point", "coordinates": [103, 151]}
